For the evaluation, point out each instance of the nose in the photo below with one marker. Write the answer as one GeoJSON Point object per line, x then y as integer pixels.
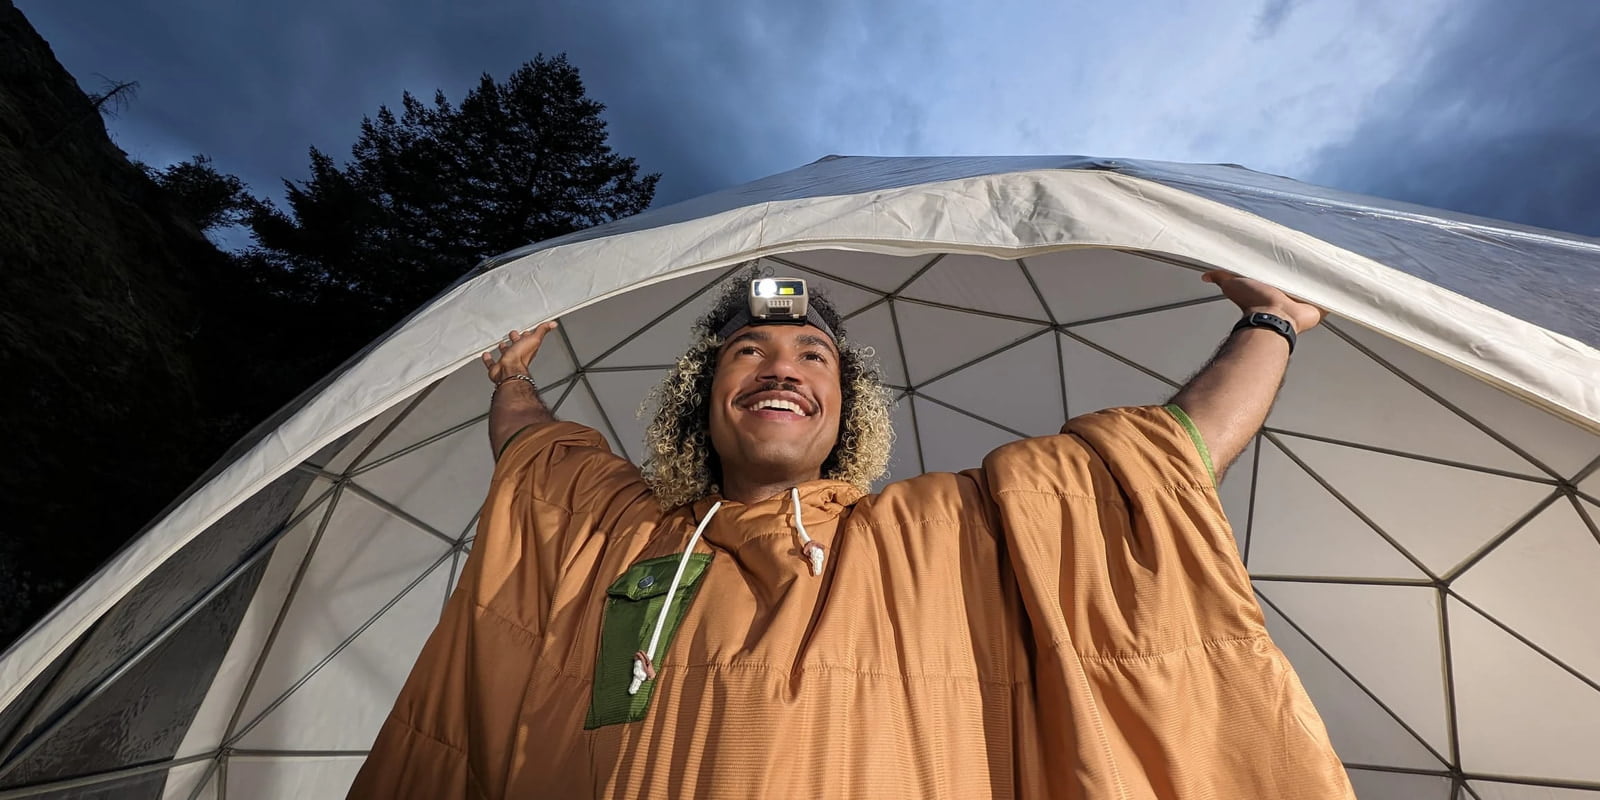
{"type": "Point", "coordinates": [780, 366]}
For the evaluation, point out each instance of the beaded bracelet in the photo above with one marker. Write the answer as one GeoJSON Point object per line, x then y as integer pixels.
{"type": "Point", "coordinates": [517, 377]}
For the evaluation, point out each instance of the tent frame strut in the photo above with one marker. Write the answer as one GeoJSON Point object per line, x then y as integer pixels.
{"type": "Point", "coordinates": [70, 711]}
{"type": "Point", "coordinates": [24, 740]}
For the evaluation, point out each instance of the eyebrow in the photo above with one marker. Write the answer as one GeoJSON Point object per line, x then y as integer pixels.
{"type": "Point", "coordinates": [804, 339]}
{"type": "Point", "coordinates": [751, 334]}
{"type": "Point", "coordinates": [816, 341]}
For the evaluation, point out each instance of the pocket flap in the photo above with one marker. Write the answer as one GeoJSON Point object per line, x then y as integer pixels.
{"type": "Point", "coordinates": [651, 578]}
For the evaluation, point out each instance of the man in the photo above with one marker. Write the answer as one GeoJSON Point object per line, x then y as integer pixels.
{"type": "Point", "coordinates": [742, 619]}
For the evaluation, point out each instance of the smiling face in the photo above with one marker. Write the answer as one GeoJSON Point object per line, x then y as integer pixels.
{"type": "Point", "coordinates": [775, 404]}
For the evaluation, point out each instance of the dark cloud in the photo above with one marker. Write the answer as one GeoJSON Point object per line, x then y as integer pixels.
{"type": "Point", "coordinates": [1272, 15]}
{"type": "Point", "coordinates": [1501, 118]}
{"type": "Point", "coordinates": [690, 91]}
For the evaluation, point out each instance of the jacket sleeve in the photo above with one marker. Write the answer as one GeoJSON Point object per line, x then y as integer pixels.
{"type": "Point", "coordinates": [556, 490]}
{"type": "Point", "coordinates": [1155, 670]}
{"type": "Point", "coordinates": [1119, 515]}
{"type": "Point", "coordinates": [551, 506]}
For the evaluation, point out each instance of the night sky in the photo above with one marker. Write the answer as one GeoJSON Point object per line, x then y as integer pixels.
{"type": "Point", "coordinates": [1485, 107]}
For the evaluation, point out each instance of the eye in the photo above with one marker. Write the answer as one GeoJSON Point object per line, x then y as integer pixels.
{"type": "Point", "coordinates": [747, 350]}
{"type": "Point", "coordinates": [814, 355]}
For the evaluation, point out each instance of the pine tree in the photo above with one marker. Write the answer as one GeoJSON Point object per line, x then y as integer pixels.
{"type": "Point", "coordinates": [433, 190]}
{"type": "Point", "coordinates": [200, 193]}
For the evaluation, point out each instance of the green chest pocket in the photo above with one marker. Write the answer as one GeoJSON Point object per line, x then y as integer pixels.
{"type": "Point", "coordinates": [633, 604]}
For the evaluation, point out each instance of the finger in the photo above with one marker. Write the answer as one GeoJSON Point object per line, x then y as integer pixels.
{"type": "Point", "coordinates": [517, 353]}
{"type": "Point", "coordinates": [529, 342]}
{"type": "Point", "coordinates": [1217, 276]}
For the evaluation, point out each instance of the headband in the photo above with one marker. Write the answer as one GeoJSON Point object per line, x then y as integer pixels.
{"type": "Point", "coordinates": [744, 318]}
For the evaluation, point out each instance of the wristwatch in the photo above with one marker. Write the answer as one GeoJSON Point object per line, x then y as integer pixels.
{"type": "Point", "coordinates": [1271, 322]}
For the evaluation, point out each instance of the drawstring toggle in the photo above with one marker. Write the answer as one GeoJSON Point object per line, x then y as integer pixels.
{"type": "Point", "coordinates": [644, 661]}
{"type": "Point", "coordinates": [812, 550]}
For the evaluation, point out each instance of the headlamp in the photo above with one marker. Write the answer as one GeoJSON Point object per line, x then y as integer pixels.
{"type": "Point", "coordinates": [777, 301]}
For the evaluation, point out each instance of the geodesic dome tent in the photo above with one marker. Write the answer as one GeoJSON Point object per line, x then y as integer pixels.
{"type": "Point", "coordinates": [1419, 515]}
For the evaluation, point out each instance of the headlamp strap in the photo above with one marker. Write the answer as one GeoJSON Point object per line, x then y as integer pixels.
{"type": "Point", "coordinates": [744, 318]}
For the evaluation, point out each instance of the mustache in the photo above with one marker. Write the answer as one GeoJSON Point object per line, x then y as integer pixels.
{"type": "Point", "coordinates": [780, 386]}
{"type": "Point", "coordinates": [774, 386]}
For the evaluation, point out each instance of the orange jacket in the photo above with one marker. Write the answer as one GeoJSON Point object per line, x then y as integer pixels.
{"type": "Point", "coordinates": [1071, 621]}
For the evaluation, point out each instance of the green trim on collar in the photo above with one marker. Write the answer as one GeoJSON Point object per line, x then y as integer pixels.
{"type": "Point", "coordinates": [632, 604]}
{"type": "Point", "coordinates": [1194, 435]}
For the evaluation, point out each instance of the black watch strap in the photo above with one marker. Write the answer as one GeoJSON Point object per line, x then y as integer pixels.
{"type": "Point", "coordinates": [1271, 322]}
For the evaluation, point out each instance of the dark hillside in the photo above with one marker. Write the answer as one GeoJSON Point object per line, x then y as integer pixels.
{"type": "Point", "coordinates": [101, 336]}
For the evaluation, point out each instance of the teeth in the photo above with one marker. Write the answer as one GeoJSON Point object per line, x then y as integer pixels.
{"type": "Point", "coordinates": [785, 405]}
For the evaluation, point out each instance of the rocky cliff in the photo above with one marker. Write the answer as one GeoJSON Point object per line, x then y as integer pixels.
{"type": "Point", "coordinates": [101, 329]}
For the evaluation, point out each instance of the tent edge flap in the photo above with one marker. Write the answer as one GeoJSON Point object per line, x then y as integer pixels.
{"type": "Point", "coordinates": [1041, 210]}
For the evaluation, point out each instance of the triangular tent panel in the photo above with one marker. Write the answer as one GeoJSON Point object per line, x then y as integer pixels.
{"type": "Point", "coordinates": [938, 341]}
{"type": "Point", "coordinates": [877, 323]}
{"type": "Point", "coordinates": [594, 332]}
{"type": "Point", "coordinates": [1363, 729]}
{"type": "Point", "coordinates": [257, 632]}
{"type": "Point", "coordinates": [196, 780]}
{"type": "Point", "coordinates": [1096, 379]}
{"type": "Point", "coordinates": [1490, 790]}
{"type": "Point", "coordinates": [1419, 513]}
{"type": "Point", "coordinates": [620, 395]}
{"type": "Point", "coordinates": [939, 454]}
{"type": "Point", "coordinates": [1542, 439]}
{"type": "Point", "coordinates": [1101, 284]}
{"type": "Point", "coordinates": [862, 270]}
{"type": "Point", "coordinates": [431, 490]}
{"type": "Point", "coordinates": [1498, 679]}
{"type": "Point", "coordinates": [905, 460]}
{"type": "Point", "coordinates": [983, 284]}
{"type": "Point", "coordinates": [848, 298]}
{"type": "Point", "coordinates": [1377, 785]}
{"type": "Point", "coordinates": [341, 704]}
{"type": "Point", "coordinates": [1385, 637]}
{"type": "Point", "coordinates": [270, 776]}
{"type": "Point", "coordinates": [1453, 513]}
{"type": "Point", "coordinates": [1023, 375]}
{"type": "Point", "coordinates": [581, 406]}
{"type": "Point", "coordinates": [1306, 530]}
{"type": "Point", "coordinates": [1161, 340]}
{"type": "Point", "coordinates": [1519, 585]}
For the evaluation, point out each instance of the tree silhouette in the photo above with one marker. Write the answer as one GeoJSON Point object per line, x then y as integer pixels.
{"type": "Point", "coordinates": [436, 188]}
{"type": "Point", "coordinates": [203, 195]}
{"type": "Point", "coordinates": [149, 351]}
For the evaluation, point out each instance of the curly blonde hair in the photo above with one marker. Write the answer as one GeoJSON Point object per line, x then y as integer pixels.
{"type": "Point", "coordinates": [681, 465]}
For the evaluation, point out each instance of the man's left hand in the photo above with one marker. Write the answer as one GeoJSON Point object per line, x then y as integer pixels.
{"type": "Point", "coordinates": [1252, 295]}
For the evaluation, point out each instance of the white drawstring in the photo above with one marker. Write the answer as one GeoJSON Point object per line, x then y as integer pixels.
{"type": "Point", "coordinates": [644, 661]}
{"type": "Point", "coordinates": [812, 551]}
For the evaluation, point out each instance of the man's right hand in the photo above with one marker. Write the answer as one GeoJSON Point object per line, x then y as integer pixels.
{"type": "Point", "coordinates": [516, 406]}
{"type": "Point", "coordinates": [516, 353]}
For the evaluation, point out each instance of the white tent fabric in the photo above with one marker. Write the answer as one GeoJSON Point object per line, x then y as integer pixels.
{"type": "Point", "coordinates": [1419, 514]}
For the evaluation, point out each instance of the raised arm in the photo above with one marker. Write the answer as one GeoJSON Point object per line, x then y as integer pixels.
{"type": "Point", "coordinates": [515, 403]}
{"type": "Point", "coordinates": [1229, 398]}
